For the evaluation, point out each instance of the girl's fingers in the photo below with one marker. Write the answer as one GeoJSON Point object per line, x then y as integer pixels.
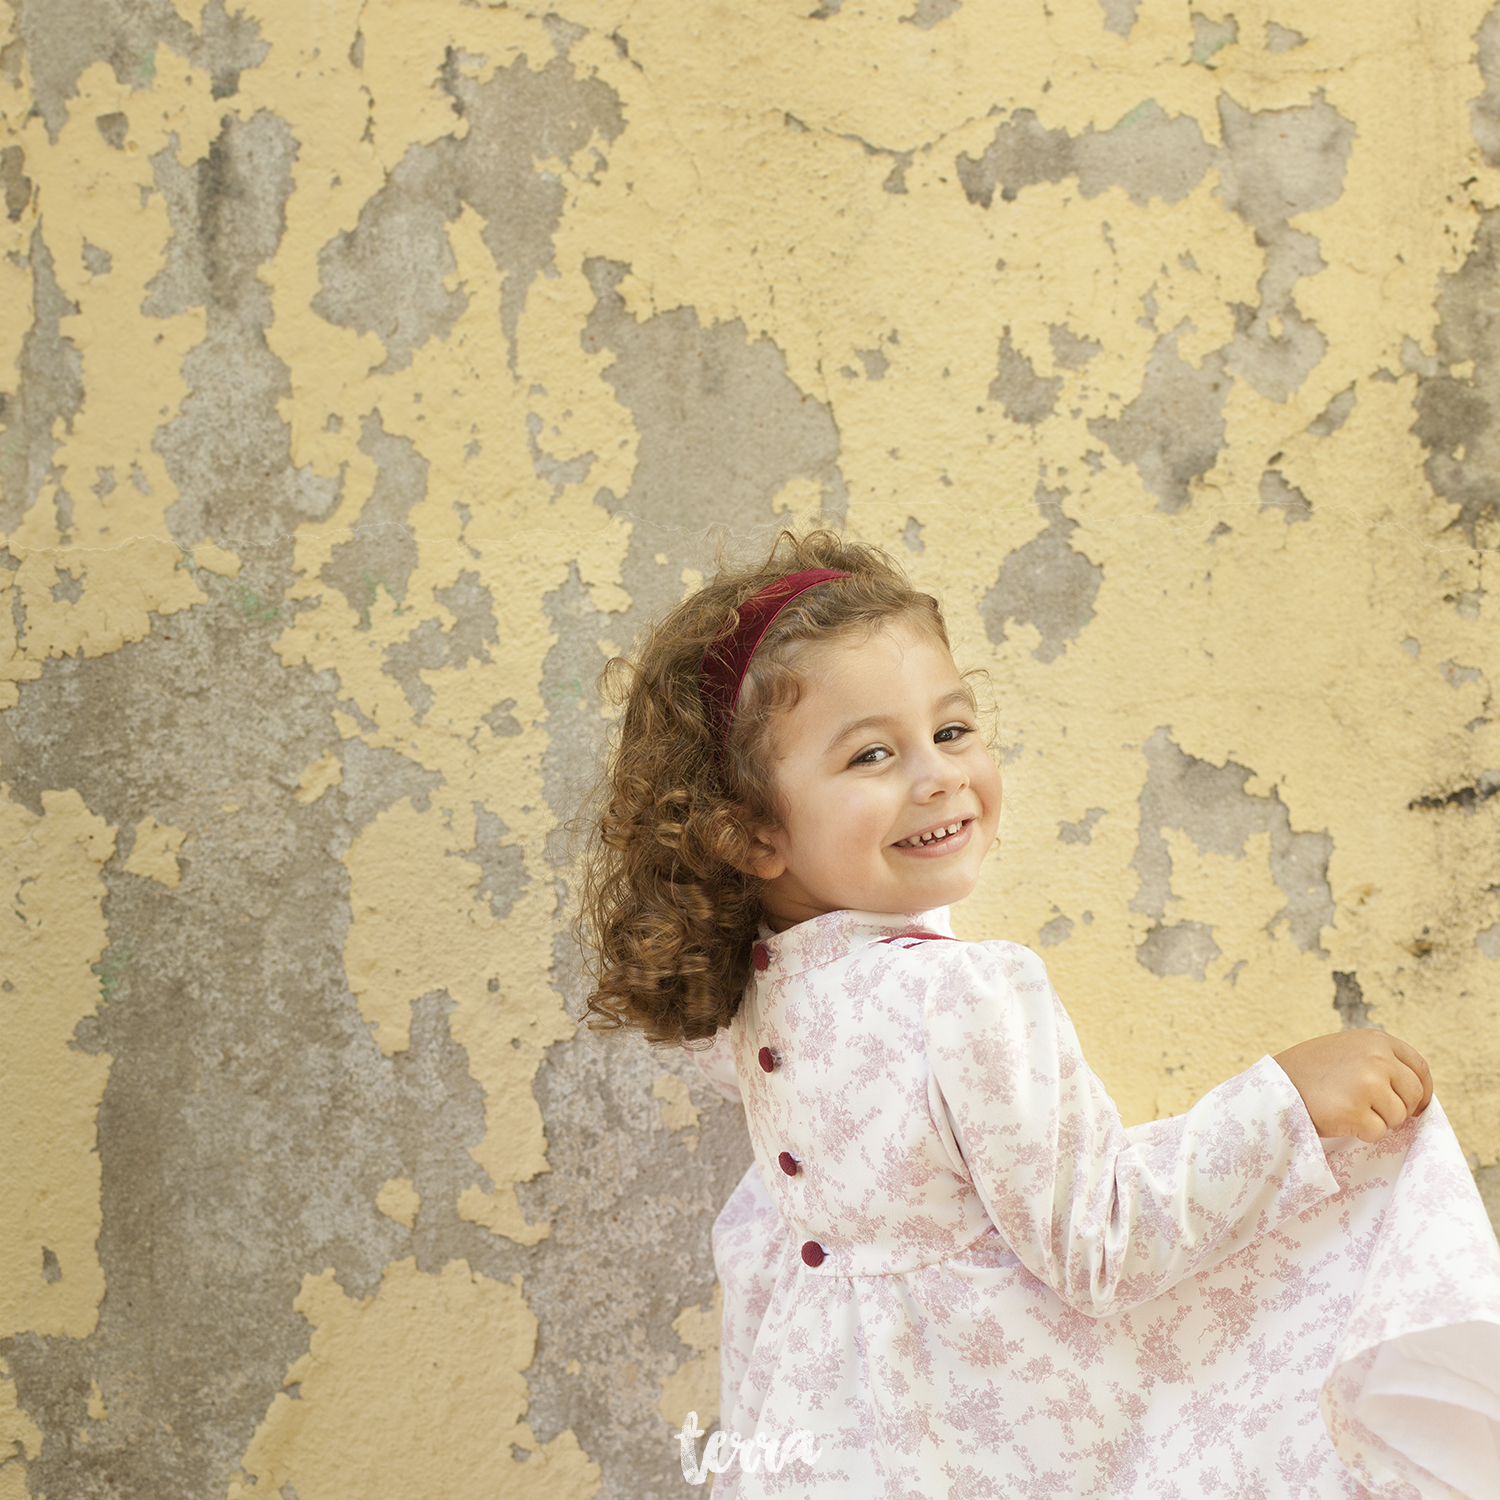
{"type": "Point", "coordinates": [1390, 1106]}
{"type": "Point", "coordinates": [1370, 1128]}
{"type": "Point", "coordinates": [1414, 1060]}
{"type": "Point", "coordinates": [1409, 1086]}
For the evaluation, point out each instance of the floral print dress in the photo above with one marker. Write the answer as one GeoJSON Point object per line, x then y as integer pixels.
{"type": "Point", "coordinates": [953, 1266]}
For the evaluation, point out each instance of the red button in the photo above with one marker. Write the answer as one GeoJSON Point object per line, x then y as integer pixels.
{"type": "Point", "coordinates": [760, 956]}
{"type": "Point", "coordinates": [788, 1163]}
{"type": "Point", "coordinates": [812, 1253]}
{"type": "Point", "coordinates": [767, 1060]}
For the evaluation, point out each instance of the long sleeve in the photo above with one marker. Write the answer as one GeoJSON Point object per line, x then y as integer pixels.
{"type": "Point", "coordinates": [717, 1064]}
{"type": "Point", "coordinates": [1108, 1218]}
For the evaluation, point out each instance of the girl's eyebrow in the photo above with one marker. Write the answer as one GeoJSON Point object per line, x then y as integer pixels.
{"type": "Point", "coordinates": [872, 721]}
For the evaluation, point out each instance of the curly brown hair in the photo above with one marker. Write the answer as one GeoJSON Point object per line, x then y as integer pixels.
{"type": "Point", "coordinates": [667, 916]}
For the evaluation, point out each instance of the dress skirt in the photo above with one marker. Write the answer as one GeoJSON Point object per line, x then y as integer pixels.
{"type": "Point", "coordinates": [1353, 1350]}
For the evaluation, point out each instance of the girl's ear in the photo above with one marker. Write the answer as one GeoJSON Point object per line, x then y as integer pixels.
{"type": "Point", "coordinates": [762, 857]}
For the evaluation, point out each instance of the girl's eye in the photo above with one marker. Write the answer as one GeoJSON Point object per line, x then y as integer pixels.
{"type": "Point", "coordinates": [949, 733]}
{"type": "Point", "coordinates": [871, 757]}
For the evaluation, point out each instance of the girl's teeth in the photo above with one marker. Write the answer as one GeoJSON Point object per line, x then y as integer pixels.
{"type": "Point", "coordinates": [932, 838]}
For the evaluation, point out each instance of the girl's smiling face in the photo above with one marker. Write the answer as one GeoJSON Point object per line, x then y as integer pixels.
{"type": "Point", "coordinates": [889, 799]}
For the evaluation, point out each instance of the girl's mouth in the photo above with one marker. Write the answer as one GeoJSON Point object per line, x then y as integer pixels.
{"type": "Point", "coordinates": [942, 838]}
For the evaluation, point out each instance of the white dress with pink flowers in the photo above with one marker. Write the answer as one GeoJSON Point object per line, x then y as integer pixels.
{"type": "Point", "coordinates": [954, 1267]}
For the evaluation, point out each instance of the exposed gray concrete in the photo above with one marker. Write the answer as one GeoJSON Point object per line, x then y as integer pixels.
{"type": "Point", "coordinates": [1046, 583]}
{"type": "Point", "coordinates": [1070, 350]}
{"type": "Point", "coordinates": [1487, 1180]}
{"type": "Point", "coordinates": [1210, 37]}
{"type": "Point", "coordinates": [929, 12]}
{"type": "Point", "coordinates": [1281, 38]}
{"type": "Point", "coordinates": [1054, 931]}
{"type": "Point", "coordinates": [1081, 832]}
{"type": "Point", "coordinates": [1119, 15]}
{"type": "Point", "coordinates": [1273, 165]}
{"type": "Point", "coordinates": [63, 37]}
{"type": "Point", "coordinates": [1485, 110]}
{"type": "Point", "coordinates": [1276, 164]}
{"type": "Point", "coordinates": [229, 451]}
{"type": "Point", "coordinates": [631, 1208]}
{"type": "Point", "coordinates": [1335, 414]}
{"type": "Point", "coordinates": [1209, 804]}
{"type": "Point", "coordinates": [722, 429]}
{"type": "Point", "coordinates": [249, 1118]}
{"type": "Point", "coordinates": [386, 275]}
{"type": "Point", "coordinates": [1179, 948]}
{"type": "Point", "coordinates": [14, 182]}
{"type": "Point", "coordinates": [380, 552]}
{"type": "Point", "coordinates": [1277, 494]}
{"type": "Point", "coordinates": [1349, 1001]}
{"type": "Point", "coordinates": [1024, 394]}
{"type": "Point", "coordinates": [1172, 432]}
{"type": "Point", "coordinates": [49, 390]}
{"type": "Point", "coordinates": [431, 645]}
{"type": "Point", "coordinates": [1148, 153]}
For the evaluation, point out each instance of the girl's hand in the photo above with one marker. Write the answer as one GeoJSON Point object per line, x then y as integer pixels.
{"type": "Point", "coordinates": [1360, 1083]}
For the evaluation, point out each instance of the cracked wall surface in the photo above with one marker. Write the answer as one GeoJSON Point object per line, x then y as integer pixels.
{"type": "Point", "coordinates": [370, 371]}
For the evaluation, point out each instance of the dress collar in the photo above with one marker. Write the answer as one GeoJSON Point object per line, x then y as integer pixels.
{"type": "Point", "coordinates": [838, 933]}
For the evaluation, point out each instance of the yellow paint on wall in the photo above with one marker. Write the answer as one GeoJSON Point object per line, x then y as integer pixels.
{"type": "Point", "coordinates": [154, 852]}
{"type": "Point", "coordinates": [217, 559]}
{"type": "Point", "coordinates": [326, 771]}
{"type": "Point", "coordinates": [411, 1393]}
{"type": "Point", "coordinates": [694, 1384]}
{"type": "Point", "coordinates": [89, 195]}
{"type": "Point", "coordinates": [20, 1440]}
{"type": "Point", "coordinates": [54, 975]}
{"type": "Point", "coordinates": [678, 1112]}
{"type": "Point", "coordinates": [399, 1200]}
{"type": "Point", "coordinates": [122, 587]}
{"type": "Point", "coordinates": [409, 881]}
{"type": "Point", "coordinates": [751, 185]}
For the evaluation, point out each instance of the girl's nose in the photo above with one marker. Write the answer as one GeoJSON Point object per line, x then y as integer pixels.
{"type": "Point", "coordinates": [936, 774]}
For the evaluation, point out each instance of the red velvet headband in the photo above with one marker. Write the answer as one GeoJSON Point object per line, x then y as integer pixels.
{"type": "Point", "coordinates": [726, 661]}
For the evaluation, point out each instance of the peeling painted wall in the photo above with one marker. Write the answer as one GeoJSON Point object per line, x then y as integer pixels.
{"type": "Point", "coordinates": [371, 369]}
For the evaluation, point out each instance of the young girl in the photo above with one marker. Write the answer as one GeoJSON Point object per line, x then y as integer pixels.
{"type": "Point", "coordinates": [950, 1263]}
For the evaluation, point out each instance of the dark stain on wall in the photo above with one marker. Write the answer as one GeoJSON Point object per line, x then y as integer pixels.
{"type": "Point", "coordinates": [1277, 494]}
{"type": "Point", "coordinates": [1456, 413]}
{"type": "Point", "coordinates": [14, 182]}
